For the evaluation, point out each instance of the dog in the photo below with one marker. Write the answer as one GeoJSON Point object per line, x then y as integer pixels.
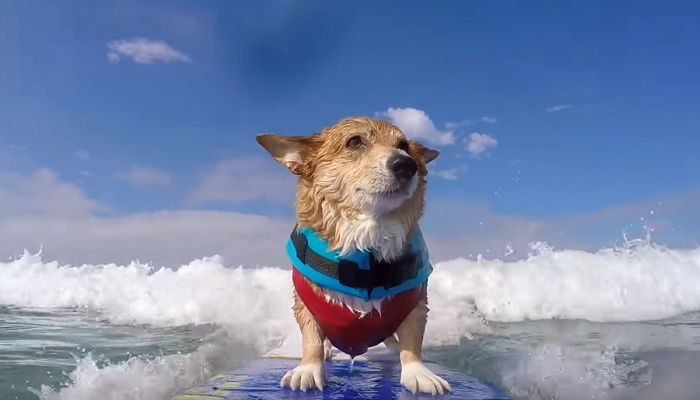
{"type": "Point", "coordinates": [360, 266]}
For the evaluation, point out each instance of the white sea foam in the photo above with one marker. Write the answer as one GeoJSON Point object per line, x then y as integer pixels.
{"type": "Point", "coordinates": [556, 371]}
{"type": "Point", "coordinates": [646, 282]}
{"type": "Point", "coordinates": [136, 378]}
{"type": "Point", "coordinates": [142, 378]}
{"type": "Point", "coordinates": [256, 302]}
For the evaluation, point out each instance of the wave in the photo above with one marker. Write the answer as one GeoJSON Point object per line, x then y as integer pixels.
{"type": "Point", "coordinates": [647, 282]}
{"type": "Point", "coordinates": [136, 378]}
{"type": "Point", "coordinates": [148, 378]}
{"type": "Point", "coordinates": [643, 282]}
{"type": "Point", "coordinates": [255, 301]}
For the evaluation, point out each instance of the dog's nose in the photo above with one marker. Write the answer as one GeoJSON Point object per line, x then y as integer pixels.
{"type": "Point", "coordinates": [403, 167]}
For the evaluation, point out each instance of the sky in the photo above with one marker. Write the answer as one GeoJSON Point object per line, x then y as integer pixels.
{"type": "Point", "coordinates": [127, 128]}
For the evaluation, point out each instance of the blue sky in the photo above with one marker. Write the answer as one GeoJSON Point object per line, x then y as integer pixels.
{"type": "Point", "coordinates": [592, 107]}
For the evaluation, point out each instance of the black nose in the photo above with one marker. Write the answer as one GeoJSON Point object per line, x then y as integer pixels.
{"type": "Point", "coordinates": [403, 167]}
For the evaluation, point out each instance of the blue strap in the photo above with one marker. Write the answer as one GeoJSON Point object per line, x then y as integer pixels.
{"type": "Point", "coordinates": [358, 274]}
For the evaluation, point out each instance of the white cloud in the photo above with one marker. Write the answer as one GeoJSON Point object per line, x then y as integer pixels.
{"type": "Point", "coordinates": [15, 147]}
{"type": "Point", "coordinates": [416, 124]}
{"type": "Point", "coordinates": [458, 227]}
{"type": "Point", "coordinates": [558, 107]}
{"type": "Point", "coordinates": [479, 143]}
{"type": "Point", "coordinates": [168, 238]}
{"type": "Point", "coordinates": [490, 120]}
{"type": "Point", "coordinates": [113, 57]}
{"type": "Point", "coordinates": [449, 174]}
{"type": "Point", "coordinates": [145, 176]}
{"type": "Point", "coordinates": [40, 211]}
{"type": "Point", "coordinates": [43, 194]}
{"type": "Point", "coordinates": [453, 126]}
{"type": "Point", "coordinates": [241, 180]}
{"type": "Point", "coordinates": [81, 154]}
{"type": "Point", "coordinates": [144, 51]}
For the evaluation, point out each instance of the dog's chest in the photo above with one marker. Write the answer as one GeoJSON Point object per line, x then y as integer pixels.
{"type": "Point", "coordinates": [384, 237]}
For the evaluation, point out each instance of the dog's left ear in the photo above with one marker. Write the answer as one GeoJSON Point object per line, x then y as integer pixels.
{"type": "Point", "coordinates": [424, 153]}
{"type": "Point", "coordinates": [286, 150]}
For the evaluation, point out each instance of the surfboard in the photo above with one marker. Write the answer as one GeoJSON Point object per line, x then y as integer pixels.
{"type": "Point", "coordinates": [361, 379]}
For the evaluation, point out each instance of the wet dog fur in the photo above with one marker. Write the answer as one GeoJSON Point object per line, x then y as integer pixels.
{"type": "Point", "coordinates": [350, 193]}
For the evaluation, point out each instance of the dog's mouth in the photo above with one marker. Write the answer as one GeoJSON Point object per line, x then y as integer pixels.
{"type": "Point", "coordinates": [384, 199]}
{"type": "Point", "coordinates": [395, 191]}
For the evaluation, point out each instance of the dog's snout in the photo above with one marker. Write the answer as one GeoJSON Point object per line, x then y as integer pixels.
{"type": "Point", "coordinates": [403, 167]}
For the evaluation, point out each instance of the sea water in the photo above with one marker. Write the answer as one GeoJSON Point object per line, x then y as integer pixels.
{"type": "Point", "coordinates": [618, 323]}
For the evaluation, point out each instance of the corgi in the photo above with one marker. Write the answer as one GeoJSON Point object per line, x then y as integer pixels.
{"type": "Point", "coordinates": [359, 262]}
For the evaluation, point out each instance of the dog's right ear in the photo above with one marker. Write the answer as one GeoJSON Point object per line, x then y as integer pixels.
{"type": "Point", "coordinates": [286, 150]}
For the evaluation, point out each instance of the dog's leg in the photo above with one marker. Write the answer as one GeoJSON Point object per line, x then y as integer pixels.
{"type": "Point", "coordinates": [415, 376]}
{"type": "Point", "coordinates": [310, 373]}
{"type": "Point", "coordinates": [392, 344]}
{"type": "Point", "coordinates": [327, 350]}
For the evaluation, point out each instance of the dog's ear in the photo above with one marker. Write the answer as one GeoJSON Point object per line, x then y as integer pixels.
{"type": "Point", "coordinates": [424, 153]}
{"type": "Point", "coordinates": [286, 150]}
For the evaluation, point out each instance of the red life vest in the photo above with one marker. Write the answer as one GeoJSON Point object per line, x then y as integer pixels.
{"type": "Point", "coordinates": [349, 331]}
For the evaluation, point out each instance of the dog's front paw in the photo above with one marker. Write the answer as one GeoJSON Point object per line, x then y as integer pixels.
{"type": "Point", "coordinates": [416, 377]}
{"type": "Point", "coordinates": [305, 377]}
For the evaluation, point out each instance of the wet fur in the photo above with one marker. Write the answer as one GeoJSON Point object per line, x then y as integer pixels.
{"type": "Point", "coordinates": [336, 198]}
{"type": "Point", "coordinates": [321, 196]}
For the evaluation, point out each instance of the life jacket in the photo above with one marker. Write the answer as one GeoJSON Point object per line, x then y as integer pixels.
{"type": "Point", "coordinates": [400, 283]}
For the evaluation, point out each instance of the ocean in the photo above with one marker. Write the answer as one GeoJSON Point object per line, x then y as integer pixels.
{"type": "Point", "coordinates": [617, 323]}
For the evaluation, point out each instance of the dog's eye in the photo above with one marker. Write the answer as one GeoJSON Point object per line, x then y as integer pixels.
{"type": "Point", "coordinates": [355, 142]}
{"type": "Point", "coordinates": [403, 145]}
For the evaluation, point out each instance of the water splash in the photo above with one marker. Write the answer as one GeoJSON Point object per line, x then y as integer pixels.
{"type": "Point", "coordinates": [629, 246]}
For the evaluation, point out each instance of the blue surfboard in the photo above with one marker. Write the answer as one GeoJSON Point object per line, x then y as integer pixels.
{"type": "Point", "coordinates": [365, 380]}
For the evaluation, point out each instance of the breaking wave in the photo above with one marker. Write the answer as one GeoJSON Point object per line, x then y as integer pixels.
{"type": "Point", "coordinates": [643, 282]}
